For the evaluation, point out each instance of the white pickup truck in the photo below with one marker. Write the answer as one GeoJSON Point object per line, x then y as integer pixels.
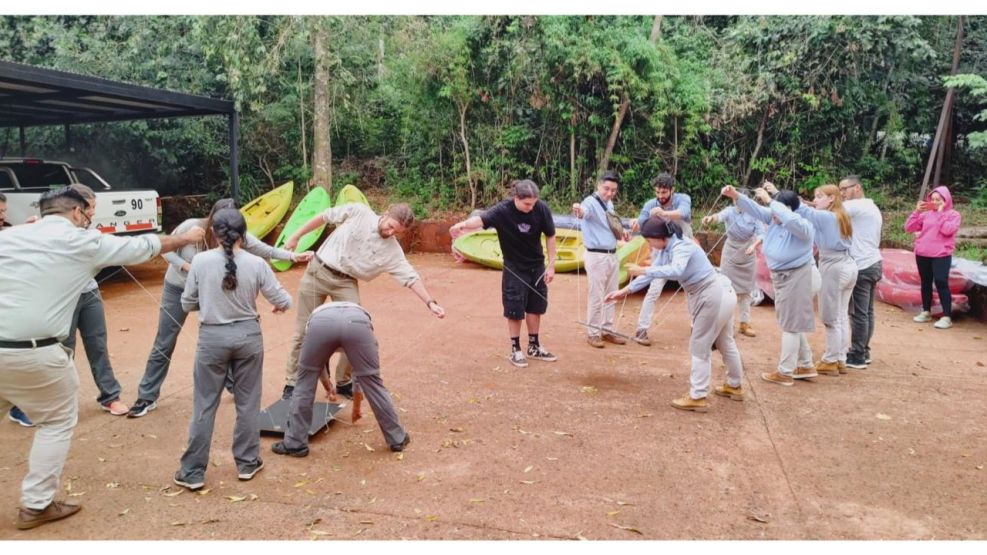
{"type": "Point", "coordinates": [123, 212]}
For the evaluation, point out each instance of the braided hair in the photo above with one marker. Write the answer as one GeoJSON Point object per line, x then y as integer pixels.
{"type": "Point", "coordinates": [220, 204]}
{"type": "Point", "coordinates": [228, 226]}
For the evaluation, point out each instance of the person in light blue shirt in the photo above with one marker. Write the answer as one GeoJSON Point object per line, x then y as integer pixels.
{"type": "Point", "coordinates": [711, 300]}
{"type": "Point", "coordinates": [600, 259]}
{"type": "Point", "coordinates": [671, 206]}
{"type": "Point", "coordinates": [787, 250]}
{"type": "Point", "coordinates": [738, 260]}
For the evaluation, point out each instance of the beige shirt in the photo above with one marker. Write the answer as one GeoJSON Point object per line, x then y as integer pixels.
{"type": "Point", "coordinates": [357, 249]}
{"type": "Point", "coordinates": [45, 266]}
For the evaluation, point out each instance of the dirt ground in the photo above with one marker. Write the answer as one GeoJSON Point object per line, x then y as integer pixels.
{"type": "Point", "coordinates": [587, 447]}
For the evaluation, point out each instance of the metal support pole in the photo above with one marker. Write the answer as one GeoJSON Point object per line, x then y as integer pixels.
{"type": "Point", "coordinates": [23, 143]}
{"type": "Point", "coordinates": [234, 128]}
{"type": "Point", "coordinates": [68, 138]}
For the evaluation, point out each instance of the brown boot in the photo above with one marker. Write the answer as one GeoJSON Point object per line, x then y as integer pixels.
{"type": "Point", "coordinates": [842, 366]}
{"type": "Point", "coordinates": [804, 373]}
{"type": "Point", "coordinates": [595, 341]}
{"type": "Point", "coordinates": [727, 390]}
{"type": "Point", "coordinates": [828, 368]}
{"type": "Point", "coordinates": [746, 329]}
{"type": "Point", "coordinates": [615, 339]}
{"type": "Point", "coordinates": [778, 378]}
{"type": "Point", "coordinates": [688, 403]}
{"type": "Point", "coordinates": [56, 510]}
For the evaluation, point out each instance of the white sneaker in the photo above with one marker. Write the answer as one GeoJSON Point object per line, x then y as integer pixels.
{"type": "Point", "coordinates": [923, 317]}
{"type": "Point", "coordinates": [517, 359]}
{"type": "Point", "coordinates": [944, 323]}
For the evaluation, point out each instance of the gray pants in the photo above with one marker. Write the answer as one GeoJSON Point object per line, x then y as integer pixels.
{"type": "Point", "coordinates": [171, 318]}
{"type": "Point", "coordinates": [862, 311]}
{"type": "Point", "coordinates": [711, 306]}
{"type": "Point", "coordinates": [347, 327]}
{"type": "Point", "coordinates": [90, 320]}
{"type": "Point", "coordinates": [238, 345]}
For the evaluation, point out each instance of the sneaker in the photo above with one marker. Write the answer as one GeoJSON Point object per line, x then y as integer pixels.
{"type": "Point", "coordinates": [115, 407]}
{"type": "Point", "coordinates": [56, 510]}
{"type": "Point", "coordinates": [517, 359]}
{"type": "Point", "coordinates": [345, 389]}
{"type": "Point", "coordinates": [727, 390]}
{"type": "Point", "coordinates": [400, 446]}
{"type": "Point", "coordinates": [244, 476]}
{"type": "Point", "coordinates": [641, 338]}
{"type": "Point", "coordinates": [944, 323]}
{"type": "Point", "coordinates": [746, 329]}
{"type": "Point", "coordinates": [827, 368]}
{"type": "Point", "coordinates": [867, 359]}
{"type": "Point", "coordinates": [923, 317]}
{"type": "Point", "coordinates": [287, 391]}
{"type": "Point", "coordinates": [778, 378]}
{"type": "Point", "coordinates": [18, 416]}
{"type": "Point", "coordinates": [615, 339]}
{"type": "Point", "coordinates": [539, 353]}
{"type": "Point", "coordinates": [191, 485]}
{"type": "Point", "coordinates": [141, 407]}
{"type": "Point", "coordinates": [688, 403]}
{"type": "Point", "coordinates": [858, 363]}
{"type": "Point", "coordinates": [842, 367]}
{"type": "Point", "coordinates": [280, 449]}
{"type": "Point", "coordinates": [804, 373]}
{"type": "Point", "coordinates": [595, 341]}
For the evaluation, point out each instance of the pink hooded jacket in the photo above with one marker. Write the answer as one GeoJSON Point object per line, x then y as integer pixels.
{"type": "Point", "coordinates": [936, 230]}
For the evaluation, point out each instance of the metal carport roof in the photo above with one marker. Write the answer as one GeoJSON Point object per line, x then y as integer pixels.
{"type": "Point", "coordinates": [35, 96]}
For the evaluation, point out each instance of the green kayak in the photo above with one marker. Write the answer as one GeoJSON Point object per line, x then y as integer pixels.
{"type": "Point", "coordinates": [483, 247]}
{"type": "Point", "coordinates": [634, 251]}
{"type": "Point", "coordinates": [350, 194]}
{"type": "Point", "coordinates": [315, 202]}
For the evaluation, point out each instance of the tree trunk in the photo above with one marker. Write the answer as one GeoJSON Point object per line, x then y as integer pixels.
{"type": "Point", "coordinates": [656, 30]}
{"type": "Point", "coordinates": [301, 116]}
{"type": "Point", "coordinates": [757, 147]}
{"type": "Point", "coordinates": [625, 103]}
{"type": "Point", "coordinates": [573, 178]}
{"type": "Point", "coordinates": [466, 152]}
{"type": "Point", "coordinates": [322, 148]}
{"type": "Point", "coordinates": [675, 146]}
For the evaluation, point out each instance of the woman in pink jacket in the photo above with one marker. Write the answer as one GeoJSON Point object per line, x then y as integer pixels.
{"type": "Point", "coordinates": [936, 223]}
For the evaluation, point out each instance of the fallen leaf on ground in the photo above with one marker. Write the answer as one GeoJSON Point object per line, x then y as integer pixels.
{"type": "Point", "coordinates": [399, 456]}
{"type": "Point", "coordinates": [123, 512]}
{"type": "Point", "coordinates": [174, 493]}
{"type": "Point", "coordinates": [235, 498]}
{"type": "Point", "coordinates": [882, 416]}
{"type": "Point", "coordinates": [101, 459]}
{"type": "Point", "coordinates": [628, 528]}
{"type": "Point", "coordinates": [179, 523]}
{"type": "Point", "coordinates": [625, 504]}
{"type": "Point", "coordinates": [300, 484]}
{"type": "Point", "coordinates": [366, 522]}
{"type": "Point", "coordinates": [645, 415]}
{"type": "Point", "coordinates": [477, 500]}
{"type": "Point", "coordinates": [613, 513]}
{"type": "Point", "coordinates": [431, 518]}
{"type": "Point", "coordinates": [980, 467]}
{"type": "Point", "coordinates": [211, 521]}
{"type": "Point", "coordinates": [421, 476]}
{"type": "Point", "coordinates": [253, 497]}
{"type": "Point", "coordinates": [458, 430]}
{"type": "Point", "coordinates": [369, 448]}
{"type": "Point", "coordinates": [551, 458]}
{"type": "Point", "coordinates": [77, 494]}
{"type": "Point", "coordinates": [562, 433]}
{"type": "Point", "coordinates": [320, 533]}
{"type": "Point", "coordinates": [152, 436]}
{"type": "Point", "coordinates": [527, 482]}
{"type": "Point", "coordinates": [113, 485]}
{"type": "Point", "coordinates": [759, 517]}
{"type": "Point", "coordinates": [589, 389]}
{"type": "Point", "coordinates": [528, 469]}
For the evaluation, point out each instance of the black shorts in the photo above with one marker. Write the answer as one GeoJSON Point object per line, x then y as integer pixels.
{"type": "Point", "coordinates": [518, 297]}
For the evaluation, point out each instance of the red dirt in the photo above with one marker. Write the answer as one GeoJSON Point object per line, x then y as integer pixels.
{"type": "Point", "coordinates": [584, 447]}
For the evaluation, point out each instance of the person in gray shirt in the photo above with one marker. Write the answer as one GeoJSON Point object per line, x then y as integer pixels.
{"type": "Point", "coordinates": [222, 286]}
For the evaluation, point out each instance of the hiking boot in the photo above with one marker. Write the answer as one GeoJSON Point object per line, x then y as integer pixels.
{"type": "Point", "coordinates": [539, 353]}
{"type": "Point", "coordinates": [746, 329]}
{"type": "Point", "coordinates": [280, 449]}
{"type": "Point", "coordinates": [16, 415]}
{"type": "Point", "coordinates": [727, 390]}
{"type": "Point", "coordinates": [287, 392]}
{"type": "Point", "coordinates": [248, 475]}
{"type": "Point", "coordinates": [517, 359]}
{"type": "Point", "coordinates": [115, 407]}
{"type": "Point", "coordinates": [778, 378]}
{"type": "Point", "coordinates": [56, 510]}
{"type": "Point", "coordinates": [827, 368]}
{"type": "Point", "coordinates": [842, 367]}
{"type": "Point", "coordinates": [804, 373]}
{"type": "Point", "coordinates": [595, 341]}
{"type": "Point", "coordinates": [191, 485]}
{"type": "Point", "coordinates": [923, 317]}
{"type": "Point", "coordinates": [345, 389]}
{"type": "Point", "coordinates": [400, 446]}
{"type": "Point", "coordinates": [615, 339]}
{"type": "Point", "coordinates": [944, 323]}
{"type": "Point", "coordinates": [641, 338]}
{"type": "Point", "coordinates": [141, 407]}
{"type": "Point", "coordinates": [688, 403]}
{"type": "Point", "coordinates": [858, 363]}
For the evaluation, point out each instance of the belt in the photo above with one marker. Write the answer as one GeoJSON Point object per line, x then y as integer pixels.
{"type": "Point", "coordinates": [604, 251]}
{"type": "Point", "coordinates": [334, 271]}
{"type": "Point", "coordinates": [29, 344]}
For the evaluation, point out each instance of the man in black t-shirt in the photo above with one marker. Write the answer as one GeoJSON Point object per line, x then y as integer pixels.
{"type": "Point", "coordinates": [520, 222]}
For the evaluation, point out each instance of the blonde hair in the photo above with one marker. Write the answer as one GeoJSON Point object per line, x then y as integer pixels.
{"type": "Point", "coordinates": [836, 207]}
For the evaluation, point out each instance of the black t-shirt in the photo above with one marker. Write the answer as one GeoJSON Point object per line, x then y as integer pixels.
{"type": "Point", "coordinates": [520, 233]}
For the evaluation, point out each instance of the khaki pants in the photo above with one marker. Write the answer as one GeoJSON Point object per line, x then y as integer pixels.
{"type": "Point", "coordinates": [317, 284]}
{"type": "Point", "coordinates": [601, 272]}
{"type": "Point", "coordinates": [44, 384]}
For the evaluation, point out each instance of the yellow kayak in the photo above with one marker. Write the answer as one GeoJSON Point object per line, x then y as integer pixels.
{"type": "Point", "coordinates": [265, 212]}
{"type": "Point", "coordinates": [483, 248]}
{"type": "Point", "coordinates": [349, 194]}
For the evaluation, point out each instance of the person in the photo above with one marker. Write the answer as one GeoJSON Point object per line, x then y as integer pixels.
{"type": "Point", "coordinates": [833, 233]}
{"type": "Point", "coordinates": [787, 250]}
{"type": "Point", "coordinates": [676, 207]}
{"type": "Point", "coordinates": [44, 268]}
{"type": "Point", "coordinates": [171, 317]}
{"type": "Point", "coordinates": [711, 300]}
{"type": "Point", "coordinates": [600, 259]}
{"type": "Point", "coordinates": [222, 285]}
{"type": "Point", "coordinates": [15, 414]}
{"type": "Point", "coordinates": [865, 249]}
{"type": "Point", "coordinates": [361, 247]}
{"type": "Point", "coordinates": [333, 326]}
{"type": "Point", "coordinates": [738, 260]}
{"type": "Point", "coordinates": [935, 224]}
{"type": "Point", "coordinates": [520, 222]}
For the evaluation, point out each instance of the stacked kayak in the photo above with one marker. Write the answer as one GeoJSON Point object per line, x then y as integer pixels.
{"type": "Point", "coordinates": [265, 212]}
{"type": "Point", "coordinates": [635, 251]}
{"type": "Point", "coordinates": [350, 194]}
{"type": "Point", "coordinates": [483, 247]}
{"type": "Point", "coordinates": [315, 202]}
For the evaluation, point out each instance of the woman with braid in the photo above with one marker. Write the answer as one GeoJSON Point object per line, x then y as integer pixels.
{"type": "Point", "coordinates": [222, 285]}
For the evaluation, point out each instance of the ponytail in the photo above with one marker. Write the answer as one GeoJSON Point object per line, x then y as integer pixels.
{"type": "Point", "coordinates": [228, 226]}
{"type": "Point", "coordinates": [836, 207]}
